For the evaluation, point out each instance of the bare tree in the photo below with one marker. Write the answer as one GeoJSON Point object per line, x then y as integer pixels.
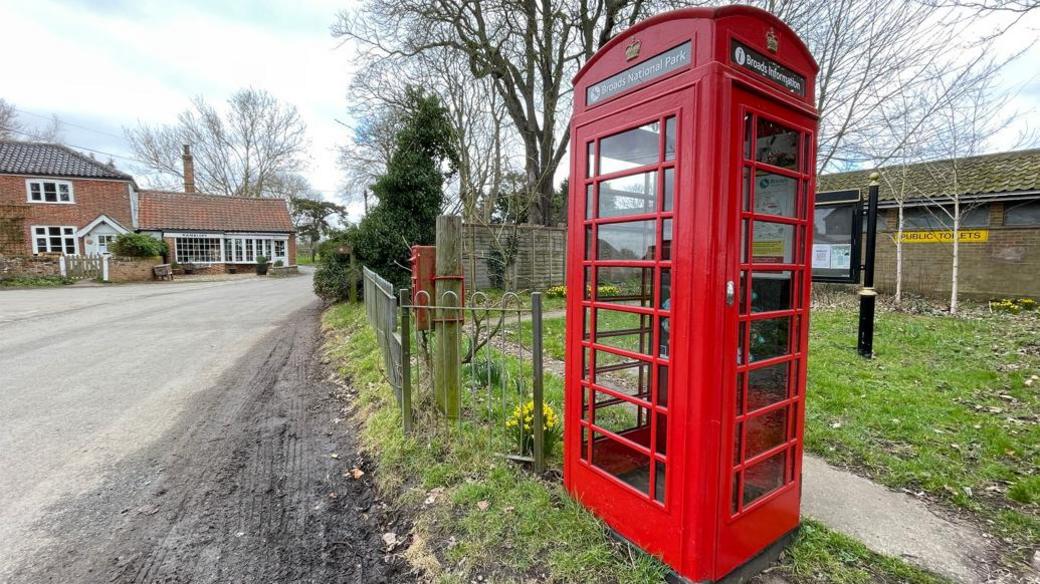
{"type": "Point", "coordinates": [528, 50]}
{"type": "Point", "coordinates": [964, 124]}
{"type": "Point", "coordinates": [242, 151]}
{"type": "Point", "coordinates": [9, 123]}
{"type": "Point", "coordinates": [12, 127]}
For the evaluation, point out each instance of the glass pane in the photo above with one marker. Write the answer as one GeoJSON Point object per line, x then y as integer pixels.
{"type": "Point", "coordinates": [743, 241]}
{"type": "Point", "coordinates": [669, 138]}
{"type": "Point", "coordinates": [41, 231]}
{"type": "Point", "coordinates": [669, 189]}
{"type": "Point", "coordinates": [630, 149]}
{"type": "Point", "coordinates": [661, 435]}
{"type": "Point", "coordinates": [663, 338]}
{"type": "Point", "coordinates": [70, 247]}
{"type": "Point", "coordinates": [623, 418]}
{"type": "Point", "coordinates": [746, 189]}
{"type": "Point", "coordinates": [659, 481]}
{"type": "Point", "coordinates": [735, 500]}
{"type": "Point", "coordinates": [587, 283]}
{"type": "Point", "coordinates": [662, 385]}
{"type": "Point", "coordinates": [776, 145]}
{"type": "Point", "coordinates": [627, 241]}
{"type": "Point", "coordinates": [738, 441]}
{"type": "Point", "coordinates": [741, 354]}
{"type": "Point", "coordinates": [771, 291]}
{"type": "Point", "coordinates": [769, 338]}
{"type": "Point", "coordinates": [767, 386]}
{"type": "Point", "coordinates": [742, 294]}
{"type": "Point", "coordinates": [584, 443]}
{"type": "Point", "coordinates": [775, 194]}
{"type": "Point", "coordinates": [773, 243]}
{"type": "Point", "coordinates": [626, 285]}
{"type": "Point", "coordinates": [623, 462]}
{"type": "Point", "coordinates": [623, 375]}
{"type": "Point", "coordinates": [666, 289]}
{"type": "Point", "coordinates": [1027, 213]}
{"type": "Point", "coordinates": [740, 394]}
{"type": "Point", "coordinates": [588, 242]}
{"type": "Point", "coordinates": [766, 431]}
{"type": "Point", "coordinates": [629, 195]}
{"type": "Point", "coordinates": [765, 477]}
{"type": "Point", "coordinates": [589, 201]}
{"type": "Point", "coordinates": [590, 159]}
{"type": "Point", "coordinates": [54, 230]}
{"type": "Point", "coordinates": [623, 330]}
{"type": "Point", "coordinates": [586, 321]}
{"type": "Point", "coordinates": [666, 239]}
{"type": "Point", "coordinates": [747, 136]}
{"type": "Point", "coordinates": [67, 230]}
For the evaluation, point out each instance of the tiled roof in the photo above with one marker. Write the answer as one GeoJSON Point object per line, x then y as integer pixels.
{"type": "Point", "coordinates": [1005, 172]}
{"type": "Point", "coordinates": [196, 212]}
{"type": "Point", "coordinates": [40, 159]}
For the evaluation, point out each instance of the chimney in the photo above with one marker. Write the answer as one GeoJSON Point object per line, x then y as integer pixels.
{"type": "Point", "coordinates": [189, 170]}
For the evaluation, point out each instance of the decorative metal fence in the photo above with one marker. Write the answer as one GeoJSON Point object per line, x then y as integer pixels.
{"type": "Point", "coordinates": [473, 365]}
{"type": "Point", "coordinates": [381, 309]}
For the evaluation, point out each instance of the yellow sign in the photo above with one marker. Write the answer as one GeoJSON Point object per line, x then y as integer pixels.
{"type": "Point", "coordinates": [768, 248]}
{"type": "Point", "coordinates": [964, 236]}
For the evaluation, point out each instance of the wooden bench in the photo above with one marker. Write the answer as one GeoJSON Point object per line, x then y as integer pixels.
{"type": "Point", "coordinates": [163, 272]}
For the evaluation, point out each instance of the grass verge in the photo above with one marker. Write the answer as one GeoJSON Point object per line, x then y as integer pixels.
{"type": "Point", "coordinates": [949, 408]}
{"type": "Point", "coordinates": [479, 516]}
{"type": "Point", "coordinates": [35, 282]}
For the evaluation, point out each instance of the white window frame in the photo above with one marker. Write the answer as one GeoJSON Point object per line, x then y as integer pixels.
{"type": "Point", "coordinates": [178, 249]}
{"type": "Point", "coordinates": [67, 232]}
{"type": "Point", "coordinates": [29, 182]}
{"type": "Point", "coordinates": [97, 241]}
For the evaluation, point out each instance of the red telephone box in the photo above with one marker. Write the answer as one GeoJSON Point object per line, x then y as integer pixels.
{"type": "Point", "coordinates": [692, 179]}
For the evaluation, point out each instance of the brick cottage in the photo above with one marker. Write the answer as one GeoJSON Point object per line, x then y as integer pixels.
{"type": "Point", "coordinates": [56, 201]}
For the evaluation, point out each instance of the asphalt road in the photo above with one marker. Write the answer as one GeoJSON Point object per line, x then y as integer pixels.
{"type": "Point", "coordinates": [179, 432]}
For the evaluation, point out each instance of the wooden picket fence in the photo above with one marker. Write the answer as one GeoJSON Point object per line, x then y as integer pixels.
{"type": "Point", "coordinates": [83, 267]}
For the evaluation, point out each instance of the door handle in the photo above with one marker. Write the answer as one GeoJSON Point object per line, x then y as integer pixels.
{"type": "Point", "coordinates": [731, 293]}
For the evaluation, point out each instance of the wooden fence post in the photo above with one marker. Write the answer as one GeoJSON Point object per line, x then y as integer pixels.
{"type": "Point", "coordinates": [448, 287]}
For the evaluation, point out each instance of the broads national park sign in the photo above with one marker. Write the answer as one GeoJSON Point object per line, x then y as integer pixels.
{"type": "Point", "coordinates": [648, 70]}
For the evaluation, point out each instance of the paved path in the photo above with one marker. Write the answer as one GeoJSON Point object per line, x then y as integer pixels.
{"type": "Point", "coordinates": [176, 433]}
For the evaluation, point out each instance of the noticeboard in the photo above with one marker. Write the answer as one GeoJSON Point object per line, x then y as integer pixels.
{"type": "Point", "coordinates": [837, 237]}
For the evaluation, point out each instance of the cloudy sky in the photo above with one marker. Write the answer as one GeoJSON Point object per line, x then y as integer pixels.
{"type": "Point", "coordinates": [102, 65]}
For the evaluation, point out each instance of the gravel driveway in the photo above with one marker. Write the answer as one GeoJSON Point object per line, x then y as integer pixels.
{"type": "Point", "coordinates": [178, 433]}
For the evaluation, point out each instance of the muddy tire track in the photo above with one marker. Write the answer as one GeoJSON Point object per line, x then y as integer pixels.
{"type": "Point", "coordinates": [251, 485]}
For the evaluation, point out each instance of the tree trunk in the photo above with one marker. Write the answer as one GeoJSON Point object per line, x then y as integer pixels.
{"type": "Point", "coordinates": [898, 300]}
{"type": "Point", "coordinates": [956, 255]}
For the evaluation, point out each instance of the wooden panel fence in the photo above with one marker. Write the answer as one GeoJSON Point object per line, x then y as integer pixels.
{"type": "Point", "coordinates": [534, 256]}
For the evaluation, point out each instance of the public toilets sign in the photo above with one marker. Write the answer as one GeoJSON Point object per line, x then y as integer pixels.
{"type": "Point", "coordinates": [750, 59]}
{"type": "Point", "coordinates": [650, 69]}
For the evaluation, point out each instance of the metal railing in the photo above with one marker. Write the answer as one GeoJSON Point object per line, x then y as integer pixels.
{"type": "Point", "coordinates": [490, 376]}
{"type": "Point", "coordinates": [381, 310]}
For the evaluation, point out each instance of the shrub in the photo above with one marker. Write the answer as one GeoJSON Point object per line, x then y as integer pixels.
{"type": "Point", "coordinates": [261, 260]}
{"type": "Point", "coordinates": [278, 263]}
{"type": "Point", "coordinates": [137, 245]}
{"type": "Point", "coordinates": [332, 278]}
